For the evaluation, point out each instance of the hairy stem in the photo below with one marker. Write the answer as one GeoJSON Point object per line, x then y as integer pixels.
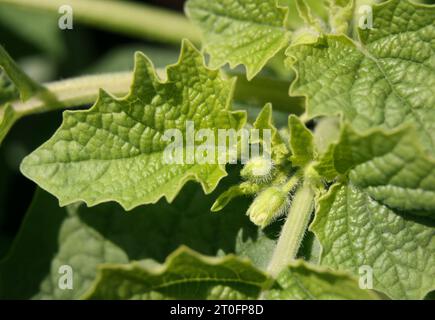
{"type": "Point", "coordinates": [121, 16]}
{"type": "Point", "coordinates": [27, 86]}
{"type": "Point", "coordinates": [75, 92]}
{"type": "Point", "coordinates": [293, 230]}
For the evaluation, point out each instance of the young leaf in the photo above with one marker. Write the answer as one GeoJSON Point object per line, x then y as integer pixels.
{"type": "Point", "coordinates": [358, 232]}
{"type": "Point", "coordinates": [245, 188]}
{"type": "Point", "coordinates": [325, 166]}
{"type": "Point", "coordinates": [265, 121]}
{"type": "Point", "coordinates": [305, 13]}
{"type": "Point", "coordinates": [389, 166]}
{"type": "Point", "coordinates": [302, 281]}
{"type": "Point", "coordinates": [379, 80]}
{"type": "Point", "coordinates": [185, 275]}
{"type": "Point", "coordinates": [340, 15]}
{"type": "Point", "coordinates": [294, 21]}
{"type": "Point", "coordinates": [115, 150]}
{"type": "Point", "coordinates": [301, 142]}
{"type": "Point", "coordinates": [248, 32]}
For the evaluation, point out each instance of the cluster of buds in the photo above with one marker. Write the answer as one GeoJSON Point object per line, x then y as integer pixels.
{"type": "Point", "coordinates": [274, 190]}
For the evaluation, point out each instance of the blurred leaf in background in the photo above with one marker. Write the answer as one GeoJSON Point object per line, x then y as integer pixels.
{"type": "Point", "coordinates": [121, 58]}
{"type": "Point", "coordinates": [85, 237]}
{"type": "Point", "coordinates": [36, 27]}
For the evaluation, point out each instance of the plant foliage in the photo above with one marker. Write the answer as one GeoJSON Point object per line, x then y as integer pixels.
{"type": "Point", "coordinates": [350, 182]}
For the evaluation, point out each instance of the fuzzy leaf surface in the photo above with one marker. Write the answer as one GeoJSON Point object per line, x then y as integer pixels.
{"type": "Point", "coordinates": [389, 166]}
{"type": "Point", "coordinates": [385, 79]}
{"type": "Point", "coordinates": [357, 231]}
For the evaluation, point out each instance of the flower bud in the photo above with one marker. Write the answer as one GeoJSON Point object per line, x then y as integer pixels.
{"type": "Point", "coordinates": [269, 204]}
{"type": "Point", "coordinates": [258, 169]}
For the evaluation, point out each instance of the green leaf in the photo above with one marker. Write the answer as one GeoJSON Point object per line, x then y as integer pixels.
{"type": "Point", "coordinates": [340, 15]}
{"type": "Point", "coordinates": [115, 150]}
{"type": "Point", "coordinates": [356, 231]}
{"type": "Point", "coordinates": [188, 275]}
{"type": "Point", "coordinates": [294, 21]}
{"type": "Point", "coordinates": [302, 281]}
{"type": "Point", "coordinates": [245, 188]}
{"type": "Point", "coordinates": [265, 121]}
{"type": "Point", "coordinates": [301, 142]}
{"type": "Point", "coordinates": [384, 79]}
{"type": "Point", "coordinates": [325, 166]}
{"type": "Point", "coordinates": [185, 275]}
{"type": "Point", "coordinates": [257, 248]}
{"type": "Point", "coordinates": [379, 215]}
{"type": "Point", "coordinates": [326, 132]}
{"type": "Point", "coordinates": [305, 13]}
{"type": "Point", "coordinates": [248, 32]}
{"type": "Point", "coordinates": [84, 238]}
{"type": "Point", "coordinates": [226, 197]}
{"type": "Point", "coordinates": [389, 166]}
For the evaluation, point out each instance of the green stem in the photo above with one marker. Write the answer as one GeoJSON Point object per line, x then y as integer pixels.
{"type": "Point", "coordinates": [293, 230]}
{"type": "Point", "coordinates": [75, 92]}
{"type": "Point", "coordinates": [121, 16]}
{"type": "Point", "coordinates": [27, 86]}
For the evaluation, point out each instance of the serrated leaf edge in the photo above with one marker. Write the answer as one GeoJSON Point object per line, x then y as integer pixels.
{"type": "Point", "coordinates": [163, 79]}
